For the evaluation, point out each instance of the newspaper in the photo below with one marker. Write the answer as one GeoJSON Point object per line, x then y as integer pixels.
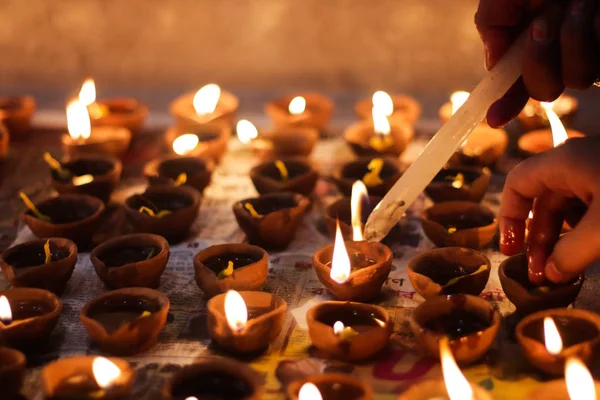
{"type": "Point", "coordinates": [185, 337]}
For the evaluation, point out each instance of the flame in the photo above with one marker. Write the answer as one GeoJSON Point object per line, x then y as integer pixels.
{"type": "Point", "coordinates": [456, 384]}
{"type": "Point", "coordinates": [78, 120]}
{"type": "Point", "coordinates": [559, 133]}
{"type": "Point", "coordinates": [381, 125]}
{"type": "Point", "coordinates": [5, 311]}
{"type": "Point", "coordinates": [191, 398]}
{"type": "Point", "coordinates": [338, 327]}
{"type": "Point", "coordinates": [580, 383]}
{"type": "Point", "coordinates": [309, 391]}
{"type": "Point", "coordinates": [340, 261]}
{"type": "Point", "coordinates": [185, 143]}
{"type": "Point", "coordinates": [206, 99]}
{"type": "Point", "coordinates": [246, 131]}
{"type": "Point", "coordinates": [359, 191]}
{"type": "Point", "coordinates": [87, 94]}
{"type": "Point", "coordinates": [383, 102]}
{"type": "Point", "coordinates": [105, 372]}
{"type": "Point", "coordinates": [236, 311]}
{"type": "Point", "coordinates": [552, 338]}
{"type": "Point", "coordinates": [297, 105]}
{"type": "Point", "coordinates": [458, 99]}
{"type": "Point", "coordinates": [530, 215]}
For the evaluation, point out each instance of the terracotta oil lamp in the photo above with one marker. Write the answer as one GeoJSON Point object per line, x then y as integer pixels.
{"type": "Point", "coordinates": [191, 171]}
{"type": "Point", "coordinates": [579, 384]}
{"type": "Point", "coordinates": [341, 210]}
{"type": "Point", "coordinates": [168, 211]}
{"type": "Point", "coordinates": [95, 175]}
{"type": "Point", "coordinates": [214, 377]}
{"type": "Point", "coordinates": [12, 372]}
{"type": "Point", "coordinates": [43, 264]}
{"type": "Point", "coordinates": [125, 321]}
{"type": "Point", "coordinates": [209, 104]}
{"type": "Point", "coordinates": [15, 115]}
{"type": "Point", "coordinates": [4, 141]}
{"type": "Point", "coordinates": [329, 386]}
{"type": "Point", "coordinates": [348, 331]}
{"type": "Point", "coordinates": [271, 220]}
{"type": "Point", "coordinates": [309, 110]}
{"type": "Point", "coordinates": [459, 184]}
{"type": "Point", "coordinates": [449, 270]}
{"type": "Point", "coordinates": [400, 106]}
{"type": "Point", "coordinates": [88, 378]}
{"type": "Point", "coordinates": [131, 260]}
{"type": "Point", "coordinates": [471, 324]}
{"type": "Point", "coordinates": [289, 175]}
{"type": "Point", "coordinates": [529, 298]}
{"type": "Point", "coordinates": [232, 266]}
{"type": "Point", "coordinates": [380, 136]}
{"type": "Point", "coordinates": [378, 175]}
{"type": "Point", "coordinates": [247, 321]}
{"type": "Point", "coordinates": [27, 317]}
{"type": "Point", "coordinates": [534, 117]}
{"type": "Point", "coordinates": [459, 224]}
{"type": "Point", "coordinates": [206, 140]}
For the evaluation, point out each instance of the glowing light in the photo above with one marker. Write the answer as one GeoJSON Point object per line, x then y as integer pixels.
{"type": "Point", "coordinates": [359, 192]}
{"type": "Point", "coordinates": [78, 120]}
{"type": "Point", "coordinates": [381, 125]}
{"type": "Point", "coordinates": [246, 131]}
{"type": "Point", "coordinates": [105, 372]}
{"type": "Point", "coordinates": [185, 143]}
{"type": "Point", "coordinates": [559, 133]}
{"type": "Point", "coordinates": [87, 94]}
{"type": "Point", "coordinates": [5, 311]}
{"type": "Point", "coordinates": [340, 261]}
{"type": "Point", "coordinates": [530, 215]}
{"type": "Point", "coordinates": [580, 383]}
{"type": "Point", "coordinates": [458, 99]}
{"type": "Point", "coordinates": [206, 99]}
{"type": "Point", "coordinates": [82, 179]}
{"type": "Point", "coordinates": [338, 327]}
{"type": "Point", "coordinates": [383, 102]}
{"type": "Point", "coordinates": [236, 311]}
{"type": "Point", "coordinates": [309, 391]}
{"type": "Point", "coordinates": [456, 384]}
{"type": "Point", "coordinates": [297, 105]}
{"type": "Point", "coordinates": [552, 338]}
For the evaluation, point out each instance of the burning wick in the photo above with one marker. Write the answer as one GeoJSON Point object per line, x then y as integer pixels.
{"type": "Point", "coordinates": [344, 332]}
{"type": "Point", "coordinates": [206, 99]}
{"type": "Point", "coordinates": [559, 133]}
{"type": "Point", "coordinates": [458, 99]}
{"type": "Point", "coordinates": [382, 139]}
{"type": "Point", "coordinates": [87, 97]}
{"type": "Point", "coordinates": [580, 383]}
{"type": "Point", "coordinates": [5, 311]}
{"type": "Point", "coordinates": [246, 131]}
{"type": "Point", "coordinates": [383, 102]}
{"type": "Point", "coordinates": [457, 386]}
{"type": "Point", "coordinates": [78, 121]}
{"type": "Point", "coordinates": [236, 311]}
{"type": "Point", "coordinates": [185, 143]}
{"type": "Point", "coordinates": [340, 261]}
{"type": "Point", "coordinates": [297, 105]}
{"type": "Point", "coordinates": [552, 338]}
{"type": "Point", "coordinates": [359, 192]}
{"type": "Point", "coordinates": [105, 372]}
{"type": "Point", "coordinates": [309, 391]}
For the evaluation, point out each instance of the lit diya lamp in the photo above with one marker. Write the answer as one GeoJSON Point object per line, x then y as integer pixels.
{"type": "Point", "coordinates": [398, 106]}
{"type": "Point", "coordinates": [15, 115]}
{"type": "Point", "coordinates": [4, 141]}
{"type": "Point", "coordinates": [533, 115]}
{"type": "Point", "coordinates": [180, 170]}
{"type": "Point", "coordinates": [209, 104]}
{"type": "Point", "coordinates": [207, 140]}
{"type": "Point", "coordinates": [12, 372]}
{"type": "Point", "coordinates": [378, 174]}
{"type": "Point", "coordinates": [453, 386]}
{"type": "Point", "coordinates": [578, 384]}
{"type": "Point", "coordinates": [87, 378]}
{"type": "Point", "coordinates": [329, 386]}
{"type": "Point", "coordinates": [459, 184]}
{"type": "Point", "coordinates": [309, 110]}
{"type": "Point", "coordinates": [119, 112]}
{"type": "Point", "coordinates": [246, 321]}
{"type": "Point", "coordinates": [287, 175]}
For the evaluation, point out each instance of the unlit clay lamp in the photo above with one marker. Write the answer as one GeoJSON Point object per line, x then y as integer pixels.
{"type": "Point", "coordinates": [88, 378]}
{"type": "Point", "coordinates": [232, 266]}
{"type": "Point", "coordinates": [131, 260]}
{"type": "Point", "coordinates": [27, 317]}
{"type": "Point", "coordinates": [471, 323]}
{"type": "Point", "coordinates": [4, 141]}
{"type": "Point", "coordinates": [15, 114]}
{"type": "Point", "coordinates": [548, 338]}
{"type": "Point", "coordinates": [209, 104]}
{"type": "Point", "coordinates": [288, 175]}
{"type": "Point", "coordinates": [309, 110]}
{"type": "Point", "coordinates": [529, 298]}
{"type": "Point", "coordinates": [329, 386]}
{"type": "Point", "coordinates": [70, 216]}
{"type": "Point", "coordinates": [247, 321]}
{"type": "Point", "coordinates": [167, 211]}
{"type": "Point", "coordinates": [96, 175]}
{"type": "Point", "coordinates": [174, 170]}
{"type": "Point", "coordinates": [533, 115]}
{"type": "Point", "coordinates": [448, 271]}
{"type": "Point", "coordinates": [348, 331]}
{"type": "Point", "coordinates": [378, 175]}
{"type": "Point", "coordinates": [12, 372]}
{"type": "Point", "coordinates": [214, 377]}
{"type": "Point", "coordinates": [271, 220]}
{"type": "Point", "coordinates": [397, 106]}
{"type": "Point", "coordinates": [125, 321]}
{"type": "Point", "coordinates": [459, 224]}
{"type": "Point", "coordinates": [459, 183]}
{"type": "Point", "coordinates": [43, 264]}
{"type": "Point", "coordinates": [207, 140]}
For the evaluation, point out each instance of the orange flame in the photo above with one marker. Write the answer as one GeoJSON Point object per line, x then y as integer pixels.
{"type": "Point", "coordinates": [340, 261]}
{"type": "Point", "coordinates": [359, 191]}
{"type": "Point", "coordinates": [559, 133]}
{"type": "Point", "coordinates": [456, 384]}
{"type": "Point", "coordinates": [236, 311]}
{"type": "Point", "coordinates": [246, 131]}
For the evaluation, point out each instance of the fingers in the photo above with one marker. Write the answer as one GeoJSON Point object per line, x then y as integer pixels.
{"type": "Point", "coordinates": [496, 41]}
{"type": "Point", "coordinates": [509, 106]}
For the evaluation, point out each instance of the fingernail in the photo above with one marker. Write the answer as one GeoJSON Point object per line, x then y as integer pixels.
{"type": "Point", "coordinates": [553, 273]}
{"type": "Point", "coordinates": [539, 30]}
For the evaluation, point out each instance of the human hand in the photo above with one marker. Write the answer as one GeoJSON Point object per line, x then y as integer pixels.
{"type": "Point", "coordinates": [562, 50]}
{"type": "Point", "coordinates": [562, 183]}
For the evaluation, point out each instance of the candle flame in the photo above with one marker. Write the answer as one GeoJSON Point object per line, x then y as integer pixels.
{"type": "Point", "coordinates": [580, 383]}
{"type": "Point", "coordinates": [340, 261]}
{"type": "Point", "coordinates": [206, 99]}
{"type": "Point", "coordinates": [383, 102]}
{"type": "Point", "coordinates": [297, 105]}
{"type": "Point", "coordinates": [246, 131]}
{"type": "Point", "coordinates": [338, 327]}
{"type": "Point", "coordinates": [530, 215]}
{"type": "Point", "coordinates": [456, 384]}
{"type": "Point", "coordinates": [185, 143]}
{"type": "Point", "coordinates": [359, 192]}
{"type": "Point", "coordinates": [105, 372]}
{"type": "Point", "coordinates": [309, 391]}
{"type": "Point", "coordinates": [5, 311]}
{"type": "Point", "coordinates": [236, 311]}
{"type": "Point", "coordinates": [458, 99]}
{"type": "Point", "coordinates": [87, 94]}
{"type": "Point", "coordinates": [552, 338]}
{"type": "Point", "coordinates": [559, 133]}
{"type": "Point", "coordinates": [78, 120]}
{"type": "Point", "coordinates": [381, 125]}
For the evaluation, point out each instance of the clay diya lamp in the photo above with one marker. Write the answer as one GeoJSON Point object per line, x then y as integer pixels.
{"type": "Point", "coordinates": [125, 321]}
{"type": "Point", "coordinates": [87, 378]}
{"type": "Point", "coordinates": [329, 386]}
{"type": "Point", "coordinates": [95, 175]}
{"type": "Point", "coordinates": [348, 331]}
{"type": "Point", "coordinates": [27, 317]}
{"type": "Point", "coordinates": [232, 266]}
{"type": "Point", "coordinates": [245, 322]}
{"type": "Point", "coordinates": [271, 220]}
{"type": "Point", "coordinates": [459, 224]}
{"type": "Point", "coordinates": [168, 211]}
{"type": "Point", "coordinates": [529, 298]}
{"type": "Point", "coordinates": [209, 104]}
{"type": "Point", "coordinates": [284, 176]}
{"type": "Point", "coordinates": [341, 211]}
{"type": "Point", "coordinates": [534, 117]}
{"type": "Point", "coordinates": [378, 175]}
{"type": "Point", "coordinates": [4, 141]}
{"type": "Point", "coordinates": [578, 384]}
{"type": "Point", "coordinates": [471, 324]}
{"type": "Point", "coordinates": [539, 141]}
{"type": "Point", "coordinates": [459, 184]}
{"type": "Point", "coordinates": [397, 106]}
{"type": "Point", "coordinates": [131, 260]}
{"type": "Point", "coordinates": [308, 110]}
{"type": "Point", "coordinates": [448, 271]}
{"type": "Point", "coordinates": [43, 264]}
{"type": "Point", "coordinates": [206, 140]}
{"type": "Point", "coordinates": [15, 115]}
{"type": "Point", "coordinates": [174, 170]}
{"type": "Point", "coordinates": [70, 216]}
{"type": "Point", "coordinates": [379, 137]}
{"type": "Point", "coordinates": [214, 377]}
{"type": "Point", "coordinates": [12, 372]}
{"type": "Point", "coordinates": [548, 338]}
{"type": "Point", "coordinates": [483, 147]}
